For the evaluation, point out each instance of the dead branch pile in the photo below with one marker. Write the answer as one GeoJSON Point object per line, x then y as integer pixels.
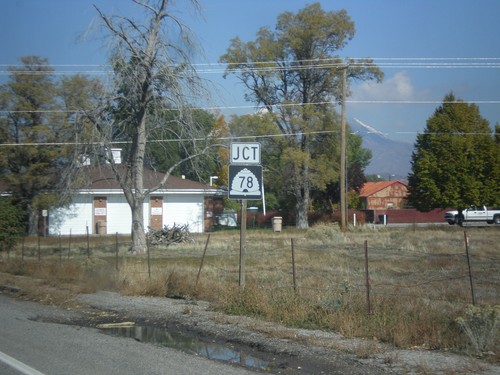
{"type": "Point", "coordinates": [169, 235]}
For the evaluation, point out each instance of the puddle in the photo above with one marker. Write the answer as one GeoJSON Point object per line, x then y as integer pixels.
{"type": "Point", "coordinates": [164, 337]}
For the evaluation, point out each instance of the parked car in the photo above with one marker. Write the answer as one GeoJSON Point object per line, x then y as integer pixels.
{"type": "Point", "coordinates": [473, 213]}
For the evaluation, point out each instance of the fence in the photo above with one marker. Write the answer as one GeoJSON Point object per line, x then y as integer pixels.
{"type": "Point", "coordinates": [454, 274]}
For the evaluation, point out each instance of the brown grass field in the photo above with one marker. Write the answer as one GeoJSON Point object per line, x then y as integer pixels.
{"type": "Point", "coordinates": [419, 281]}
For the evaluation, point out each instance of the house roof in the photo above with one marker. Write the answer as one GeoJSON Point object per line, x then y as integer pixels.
{"type": "Point", "coordinates": [102, 178]}
{"type": "Point", "coordinates": [370, 188]}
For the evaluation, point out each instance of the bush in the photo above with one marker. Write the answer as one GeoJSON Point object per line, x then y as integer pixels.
{"type": "Point", "coordinates": [480, 324]}
{"type": "Point", "coordinates": [11, 224]}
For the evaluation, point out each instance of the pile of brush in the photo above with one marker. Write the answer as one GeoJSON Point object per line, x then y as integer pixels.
{"type": "Point", "coordinates": [169, 235]}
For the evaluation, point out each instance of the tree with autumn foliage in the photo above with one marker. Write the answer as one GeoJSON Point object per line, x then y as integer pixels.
{"type": "Point", "coordinates": [295, 74]}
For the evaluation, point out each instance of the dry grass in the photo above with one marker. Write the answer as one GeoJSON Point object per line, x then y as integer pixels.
{"type": "Point", "coordinates": [419, 281]}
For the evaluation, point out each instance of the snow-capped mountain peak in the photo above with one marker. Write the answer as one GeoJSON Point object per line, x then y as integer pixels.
{"type": "Point", "coordinates": [369, 128]}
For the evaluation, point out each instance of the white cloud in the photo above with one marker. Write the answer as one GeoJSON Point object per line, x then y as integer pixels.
{"type": "Point", "coordinates": [397, 87]}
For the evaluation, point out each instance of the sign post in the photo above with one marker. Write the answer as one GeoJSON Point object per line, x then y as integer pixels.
{"type": "Point", "coordinates": [245, 182]}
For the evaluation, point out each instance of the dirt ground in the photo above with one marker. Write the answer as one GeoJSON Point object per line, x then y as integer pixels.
{"type": "Point", "coordinates": [289, 351]}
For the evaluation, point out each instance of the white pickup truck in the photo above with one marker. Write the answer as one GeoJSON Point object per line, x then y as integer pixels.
{"type": "Point", "coordinates": [473, 213]}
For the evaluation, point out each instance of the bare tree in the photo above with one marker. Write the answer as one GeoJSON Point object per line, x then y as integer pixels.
{"type": "Point", "coordinates": [152, 74]}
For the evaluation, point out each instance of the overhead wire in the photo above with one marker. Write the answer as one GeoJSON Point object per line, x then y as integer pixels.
{"type": "Point", "coordinates": [337, 62]}
{"type": "Point", "coordinates": [270, 65]}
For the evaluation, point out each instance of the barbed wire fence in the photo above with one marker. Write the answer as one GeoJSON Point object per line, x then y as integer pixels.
{"type": "Point", "coordinates": [454, 276]}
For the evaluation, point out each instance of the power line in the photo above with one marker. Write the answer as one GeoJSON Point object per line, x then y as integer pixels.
{"type": "Point", "coordinates": [229, 138]}
{"type": "Point", "coordinates": [354, 101]}
{"type": "Point", "coordinates": [339, 60]}
{"type": "Point", "coordinates": [260, 66]}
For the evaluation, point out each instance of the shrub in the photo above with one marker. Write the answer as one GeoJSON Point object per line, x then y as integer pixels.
{"type": "Point", "coordinates": [11, 224]}
{"type": "Point", "coordinates": [480, 324]}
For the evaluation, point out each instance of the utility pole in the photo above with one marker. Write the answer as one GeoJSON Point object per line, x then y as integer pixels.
{"type": "Point", "coordinates": [343, 164]}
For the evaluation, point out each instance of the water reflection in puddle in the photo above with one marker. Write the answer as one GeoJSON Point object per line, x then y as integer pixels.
{"type": "Point", "coordinates": [164, 337]}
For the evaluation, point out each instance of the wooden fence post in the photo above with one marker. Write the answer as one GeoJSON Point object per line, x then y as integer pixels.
{"type": "Point", "coordinates": [39, 255]}
{"type": "Point", "coordinates": [294, 275]}
{"type": "Point", "coordinates": [69, 243]}
{"type": "Point", "coordinates": [466, 238]}
{"type": "Point", "coordinates": [149, 259]}
{"type": "Point", "coordinates": [368, 305]}
{"type": "Point", "coordinates": [116, 251]}
{"type": "Point", "coordinates": [88, 243]}
{"type": "Point", "coordinates": [60, 249]}
{"type": "Point", "coordinates": [202, 260]}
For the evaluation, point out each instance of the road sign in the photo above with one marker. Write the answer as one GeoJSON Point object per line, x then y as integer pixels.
{"type": "Point", "coordinates": [245, 182]}
{"type": "Point", "coordinates": [245, 153]}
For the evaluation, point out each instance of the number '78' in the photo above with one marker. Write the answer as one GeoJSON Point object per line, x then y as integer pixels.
{"type": "Point", "coordinates": [249, 182]}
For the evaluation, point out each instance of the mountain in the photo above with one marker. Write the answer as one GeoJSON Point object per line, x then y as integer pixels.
{"type": "Point", "coordinates": [390, 159]}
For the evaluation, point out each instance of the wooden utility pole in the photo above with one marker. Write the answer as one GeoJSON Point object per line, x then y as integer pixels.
{"type": "Point", "coordinates": [343, 164]}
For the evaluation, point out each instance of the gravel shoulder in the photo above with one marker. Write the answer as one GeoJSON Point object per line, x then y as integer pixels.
{"type": "Point", "coordinates": [293, 351]}
{"type": "Point", "coordinates": [305, 351]}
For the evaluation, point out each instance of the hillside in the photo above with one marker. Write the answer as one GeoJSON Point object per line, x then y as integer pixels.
{"type": "Point", "coordinates": [390, 159]}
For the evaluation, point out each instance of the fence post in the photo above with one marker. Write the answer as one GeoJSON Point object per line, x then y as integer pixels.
{"type": "Point", "coordinates": [69, 244]}
{"type": "Point", "coordinates": [22, 249]}
{"type": "Point", "coordinates": [149, 259]}
{"type": "Point", "coordinates": [294, 277]}
{"type": "Point", "coordinates": [368, 305]}
{"type": "Point", "coordinates": [466, 238]}
{"type": "Point", "coordinates": [88, 243]}
{"type": "Point", "coordinates": [39, 255]}
{"type": "Point", "coordinates": [202, 260]}
{"type": "Point", "coordinates": [60, 249]}
{"type": "Point", "coordinates": [116, 251]}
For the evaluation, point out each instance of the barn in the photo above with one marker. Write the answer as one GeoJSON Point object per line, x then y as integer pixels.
{"type": "Point", "coordinates": [99, 206]}
{"type": "Point", "coordinates": [383, 195]}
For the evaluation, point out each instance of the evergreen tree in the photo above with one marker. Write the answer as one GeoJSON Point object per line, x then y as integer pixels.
{"type": "Point", "coordinates": [29, 163]}
{"type": "Point", "coordinates": [11, 222]}
{"type": "Point", "coordinates": [39, 134]}
{"type": "Point", "coordinates": [454, 163]}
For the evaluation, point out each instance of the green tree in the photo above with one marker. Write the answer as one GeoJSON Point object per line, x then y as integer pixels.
{"type": "Point", "coordinates": [294, 73]}
{"type": "Point", "coordinates": [358, 158]}
{"type": "Point", "coordinates": [454, 163]}
{"type": "Point", "coordinates": [164, 151]}
{"type": "Point", "coordinates": [12, 223]}
{"type": "Point", "coordinates": [39, 133]}
{"type": "Point", "coordinates": [278, 160]}
{"type": "Point", "coordinates": [29, 162]}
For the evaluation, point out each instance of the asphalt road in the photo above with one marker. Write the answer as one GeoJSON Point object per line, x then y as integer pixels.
{"type": "Point", "coordinates": [28, 345]}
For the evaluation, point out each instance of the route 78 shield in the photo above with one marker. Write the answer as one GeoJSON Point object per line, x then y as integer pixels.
{"type": "Point", "coordinates": [245, 182]}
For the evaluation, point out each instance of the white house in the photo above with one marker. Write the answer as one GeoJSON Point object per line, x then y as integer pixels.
{"type": "Point", "coordinates": [99, 205]}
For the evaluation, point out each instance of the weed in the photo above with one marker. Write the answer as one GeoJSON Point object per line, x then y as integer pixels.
{"type": "Point", "coordinates": [480, 324]}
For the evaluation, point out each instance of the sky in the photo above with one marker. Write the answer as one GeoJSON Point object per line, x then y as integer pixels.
{"type": "Point", "coordinates": [426, 49]}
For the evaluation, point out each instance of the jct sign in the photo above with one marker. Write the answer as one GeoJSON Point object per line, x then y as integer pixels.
{"type": "Point", "coordinates": [245, 153]}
